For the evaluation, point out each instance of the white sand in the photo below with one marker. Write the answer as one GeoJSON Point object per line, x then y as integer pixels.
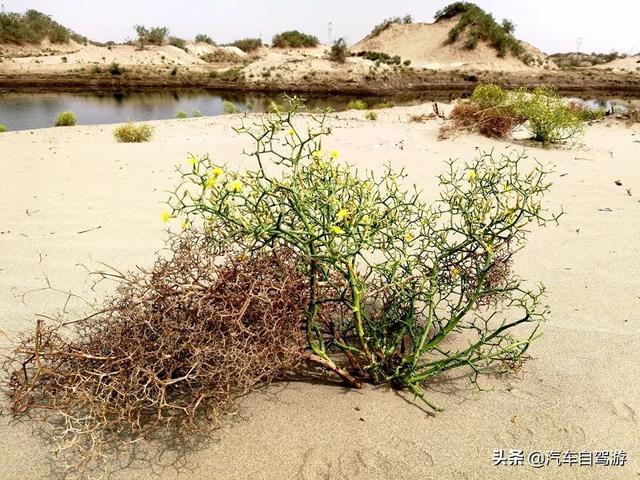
{"type": "Point", "coordinates": [580, 392]}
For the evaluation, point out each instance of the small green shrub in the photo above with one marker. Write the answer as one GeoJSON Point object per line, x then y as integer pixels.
{"type": "Point", "coordinates": [33, 27]}
{"type": "Point", "coordinates": [386, 23]}
{"type": "Point", "coordinates": [132, 133]}
{"type": "Point", "coordinates": [3, 128]}
{"type": "Point", "coordinates": [178, 43]}
{"type": "Point", "coordinates": [228, 107]}
{"type": "Point", "coordinates": [339, 51]}
{"type": "Point", "coordinates": [66, 119]}
{"type": "Point", "coordinates": [195, 113]}
{"type": "Point", "coordinates": [488, 95]}
{"type": "Point", "coordinates": [373, 116]}
{"type": "Point", "coordinates": [294, 39]}
{"type": "Point", "coordinates": [357, 105]}
{"type": "Point", "coordinates": [96, 70]}
{"type": "Point", "coordinates": [380, 57]}
{"type": "Point", "coordinates": [247, 45]}
{"type": "Point", "coordinates": [202, 38]}
{"type": "Point", "coordinates": [181, 114]}
{"type": "Point", "coordinates": [115, 69]}
{"type": "Point", "coordinates": [151, 36]}
{"type": "Point", "coordinates": [387, 104]}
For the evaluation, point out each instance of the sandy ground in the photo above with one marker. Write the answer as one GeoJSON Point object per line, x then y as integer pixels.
{"type": "Point", "coordinates": [580, 392]}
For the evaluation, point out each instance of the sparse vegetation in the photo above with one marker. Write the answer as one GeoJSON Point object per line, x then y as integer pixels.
{"type": "Point", "coordinates": [339, 51]}
{"type": "Point", "coordinates": [496, 113]}
{"type": "Point", "coordinates": [132, 133]}
{"type": "Point", "coordinates": [66, 119]}
{"type": "Point", "coordinates": [373, 116]}
{"type": "Point", "coordinates": [294, 39]}
{"type": "Point", "coordinates": [33, 27]}
{"type": "Point", "coordinates": [357, 105]}
{"type": "Point", "coordinates": [380, 57]}
{"type": "Point", "coordinates": [386, 23]}
{"type": "Point", "coordinates": [181, 114]}
{"type": "Point", "coordinates": [202, 38]}
{"type": "Point", "coordinates": [247, 45]}
{"type": "Point", "coordinates": [481, 25]}
{"type": "Point", "coordinates": [380, 105]}
{"type": "Point", "coordinates": [3, 128]}
{"type": "Point", "coordinates": [151, 36]}
{"type": "Point", "coordinates": [195, 113]}
{"type": "Point", "coordinates": [115, 69]}
{"type": "Point", "coordinates": [577, 59]}
{"type": "Point", "coordinates": [229, 107]}
{"type": "Point", "coordinates": [178, 43]}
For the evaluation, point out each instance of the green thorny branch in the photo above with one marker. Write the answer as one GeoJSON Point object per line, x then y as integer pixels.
{"type": "Point", "coordinates": [404, 290]}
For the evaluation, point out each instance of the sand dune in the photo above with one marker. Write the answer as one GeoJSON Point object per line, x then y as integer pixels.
{"type": "Point", "coordinates": [579, 392]}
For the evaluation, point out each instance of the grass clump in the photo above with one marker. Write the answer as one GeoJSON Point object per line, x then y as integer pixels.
{"type": "Point", "coordinates": [196, 113]}
{"type": "Point", "coordinates": [480, 25]}
{"type": "Point", "coordinates": [357, 105]}
{"type": "Point", "coordinates": [3, 128]}
{"type": "Point", "coordinates": [386, 23]}
{"type": "Point", "coordinates": [373, 116]}
{"type": "Point", "coordinates": [66, 119]}
{"type": "Point", "coordinates": [247, 45]}
{"type": "Point", "coordinates": [294, 39]}
{"type": "Point", "coordinates": [178, 43]}
{"type": "Point", "coordinates": [132, 133]}
{"type": "Point", "coordinates": [339, 51]}
{"type": "Point", "coordinates": [229, 107]}
{"type": "Point", "coordinates": [181, 114]}
{"type": "Point", "coordinates": [34, 27]}
{"type": "Point", "coordinates": [497, 113]}
{"type": "Point", "coordinates": [381, 105]}
{"type": "Point", "coordinates": [115, 69]}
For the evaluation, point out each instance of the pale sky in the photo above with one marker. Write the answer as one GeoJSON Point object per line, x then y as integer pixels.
{"type": "Point", "coordinates": [551, 25]}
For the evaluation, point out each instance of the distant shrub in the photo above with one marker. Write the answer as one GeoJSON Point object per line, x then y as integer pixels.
{"type": "Point", "coordinates": [95, 70]}
{"type": "Point", "coordinates": [202, 38]}
{"type": "Point", "coordinates": [406, 63]}
{"type": "Point", "coordinates": [373, 116]}
{"type": "Point", "coordinates": [3, 128]}
{"type": "Point", "coordinates": [387, 104]}
{"type": "Point", "coordinates": [247, 45]}
{"type": "Point", "coordinates": [174, 71]}
{"type": "Point", "coordinates": [380, 57]}
{"type": "Point", "coordinates": [33, 27]}
{"type": "Point", "coordinates": [481, 26]}
{"type": "Point", "coordinates": [339, 51]}
{"type": "Point", "coordinates": [195, 113]}
{"type": "Point", "coordinates": [232, 74]}
{"type": "Point", "coordinates": [294, 39]}
{"type": "Point", "coordinates": [64, 59]}
{"type": "Point", "coordinates": [386, 23]}
{"type": "Point", "coordinates": [228, 107]}
{"type": "Point", "coordinates": [178, 43]}
{"type": "Point", "coordinates": [181, 114]}
{"type": "Point", "coordinates": [115, 69]}
{"type": "Point", "coordinates": [357, 105]}
{"type": "Point", "coordinates": [66, 119]}
{"type": "Point", "coordinates": [132, 133]}
{"type": "Point", "coordinates": [151, 36]}
{"type": "Point", "coordinates": [583, 112]}
{"type": "Point", "coordinates": [488, 95]}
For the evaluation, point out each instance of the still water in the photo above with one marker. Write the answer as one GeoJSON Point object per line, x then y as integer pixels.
{"type": "Point", "coordinates": [25, 111]}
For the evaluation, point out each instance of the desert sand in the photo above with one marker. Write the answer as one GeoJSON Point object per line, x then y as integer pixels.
{"type": "Point", "coordinates": [73, 197]}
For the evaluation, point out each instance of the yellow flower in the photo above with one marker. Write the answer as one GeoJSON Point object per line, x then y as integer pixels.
{"type": "Point", "coordinates": [165, 216]}
{"type": "Point", "coordinates": [213, 177]}
{"type": "Point", "coordinates": [185, 224]}
{"type": "Point", "coordinates": [291, 132]}
{"type": "Point", "coordinates": [217, 171]}
{"type": "Point", "coordinates": [408, 236]}
{"type": "Point", "coordinates": [336, 230]}
{"type": "Point", "coordinates": [193, 160]}
{"type": "Point", "coordinates": [235, 186]}
{"type": "Point", "coordinates": [334, 154]}
{"type": "Point", "coordinates": [455, 273]}
{"type": "Point", "coordinates": [472, 175]}
{"type": "Point", "coordinates": [317, 155]}
{"type": "Point", "coordinates": [489, 249]}
{"type": "Point", "coordinates": [342, 214]}
{"type": "Point", "coordinates": [366, 220]}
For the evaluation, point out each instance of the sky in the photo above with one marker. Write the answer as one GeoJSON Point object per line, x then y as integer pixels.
{"type": "Point", "coordinates": [551, 25]}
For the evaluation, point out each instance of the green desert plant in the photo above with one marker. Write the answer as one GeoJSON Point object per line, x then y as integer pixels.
{"type": "Point", "coordinates": [33, 27]}
{"type": "Point", "coordinates": [66, 119]}
{"type": "Point", "coordinates": [357, 105]}
{"type": "Point", "coordinates": [294, 39]}
{"type": "Point", "coordinates": [202, 38]}
{"type": "Point", "coordinates": [195, 113]}
{"type": "Point", "coordinates": [247, 45]}
{"type": "Point", "coordinates": [401, 290]}
{"type": "Point", "coordinates": [151, 36]}
{"type": "Point", "coordinates": [229, 107]}
{"type": "Point", "coordinates": [181, 114]}
{"type": "Point", "coordinates": [488, 95]}
{"type": "Point", "coordinates": [178, 43]}
{"type": "Point", "coordinates": [386, 23]}
{"type": "Point", "coordinates": [3, 128]}
{"type": "Point", "coordinates": [115, 69]}
{"type": "Point", "coordinates": [132, 133]}
{"type": "Point", "coordinates": [386, 104]}
{"type": "Point", "coordinates": [339, 51]}
{"type": "Point", "coordinates": [373, 116]}
{"type": "Point", "coordinates": [380, 57]}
